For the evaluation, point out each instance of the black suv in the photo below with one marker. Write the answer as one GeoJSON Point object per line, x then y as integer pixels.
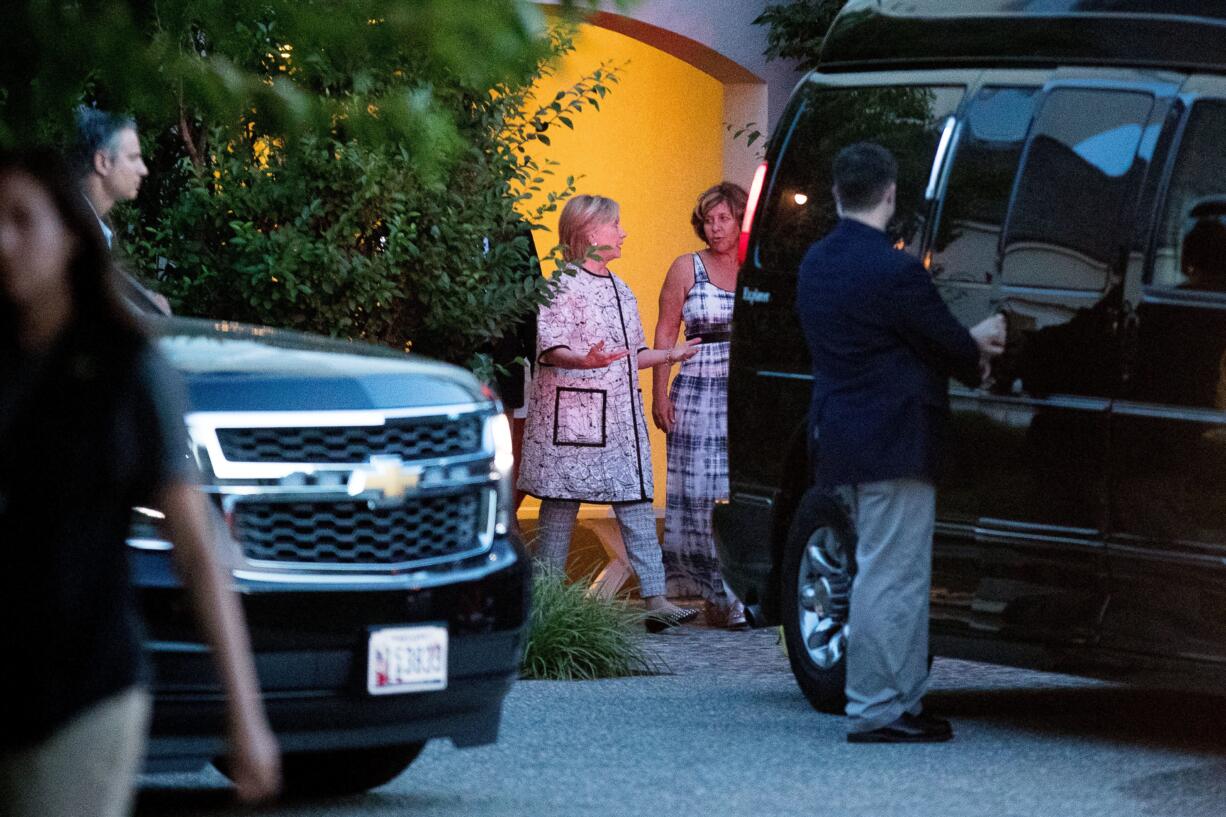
{"type": "Point", "coordinates": [1067, 168]}
{"type": "Point", "coordinates": [366, 496]}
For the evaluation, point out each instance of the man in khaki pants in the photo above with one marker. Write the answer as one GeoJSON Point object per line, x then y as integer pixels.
{"type": "Point", "coordinates": [883, 346]}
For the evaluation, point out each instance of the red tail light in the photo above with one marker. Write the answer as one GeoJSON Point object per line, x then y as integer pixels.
{"type": "Point", "coordinates": [755, 193]}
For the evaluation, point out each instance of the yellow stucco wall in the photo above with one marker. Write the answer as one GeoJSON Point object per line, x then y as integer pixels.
{"type": "Point", "coordinates": [655, 144]}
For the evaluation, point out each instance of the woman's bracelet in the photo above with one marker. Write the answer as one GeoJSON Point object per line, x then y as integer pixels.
{"type": "Point", "coordinates": [668, 358]}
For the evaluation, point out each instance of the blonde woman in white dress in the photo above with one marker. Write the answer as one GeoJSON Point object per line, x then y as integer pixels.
{"type": "Point", "coordinates": [586, 435]}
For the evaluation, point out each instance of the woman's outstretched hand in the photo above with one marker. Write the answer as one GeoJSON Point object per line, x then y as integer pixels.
{"type": "Point", "coordinates": [598, 358]}
{"type": "Point", "coordinates": [685, 351]}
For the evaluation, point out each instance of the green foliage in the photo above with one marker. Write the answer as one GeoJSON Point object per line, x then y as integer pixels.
{"type": "Point", "coordinates": [575, 636]}
{"type": "Point", "coordinates": [351, 235]}
{"type": "Point", "coordinates": [221, 59]}
{"type": "Point", "coordinates": [797, 29]}
{"type": "Point", "coordinates": [750, 133]}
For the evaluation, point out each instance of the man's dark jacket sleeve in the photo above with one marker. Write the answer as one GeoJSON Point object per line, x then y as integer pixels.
{"type": "Point", "coordinates": [925, 323]}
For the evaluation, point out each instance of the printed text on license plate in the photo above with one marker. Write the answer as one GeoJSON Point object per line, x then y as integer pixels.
{"type": "Point", "coordinates": [407, 659]}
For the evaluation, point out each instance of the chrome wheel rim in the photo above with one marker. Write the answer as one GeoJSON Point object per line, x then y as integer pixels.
{"type": "Point", "coordinates": [823, 595]}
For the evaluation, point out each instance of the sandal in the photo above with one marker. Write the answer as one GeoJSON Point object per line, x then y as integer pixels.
{"type": "Point", "coordinates": [659, 622]}
{"type": "Point", "coordinates": [715, 615]}
{"type": "Point", "coordinates": [736, 617]}
{"type": "Point", "coordinates": [726, 616]}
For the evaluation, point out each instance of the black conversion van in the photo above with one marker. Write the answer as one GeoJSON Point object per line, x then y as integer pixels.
{"type": "Point", "coordinates": [1063, 162]}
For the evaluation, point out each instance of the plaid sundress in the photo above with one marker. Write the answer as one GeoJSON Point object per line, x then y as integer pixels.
{"type": "Point", "coordinates": [698, 445]}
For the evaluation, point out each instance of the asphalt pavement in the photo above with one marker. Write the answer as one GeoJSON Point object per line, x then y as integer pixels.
{"type": "Point", "coordinates": [728, 733]}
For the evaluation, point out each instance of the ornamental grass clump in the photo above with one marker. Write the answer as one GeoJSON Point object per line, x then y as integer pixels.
{"type": "Point", "coordinates": [575, 636]}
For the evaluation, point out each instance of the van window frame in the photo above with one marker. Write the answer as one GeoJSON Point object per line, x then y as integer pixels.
{"type": "Point", "coordinates": [1074, 84]}
{"type": "Point", "coordinates": [965, 79]}
{"type": "Point", "coordinates": [1002, 82]}
{"type": "Point", "coordinates": [1151, 291]}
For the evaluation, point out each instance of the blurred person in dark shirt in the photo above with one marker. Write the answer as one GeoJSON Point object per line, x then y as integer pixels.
{"type": "Point", "coordinates": [91, 425]}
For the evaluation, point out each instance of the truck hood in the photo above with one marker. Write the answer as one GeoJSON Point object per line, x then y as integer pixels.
{"type": "Point", "coordinates": [239, 367]}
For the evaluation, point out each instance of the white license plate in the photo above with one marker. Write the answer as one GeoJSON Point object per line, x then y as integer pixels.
{"type": "Point", "coordinates": [407, 659]}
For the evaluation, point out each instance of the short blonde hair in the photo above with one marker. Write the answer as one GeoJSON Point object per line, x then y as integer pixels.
{"type": "Point", "coordinates": [727, 193]}
{"type": "Point", "coordinates": [579, 216]}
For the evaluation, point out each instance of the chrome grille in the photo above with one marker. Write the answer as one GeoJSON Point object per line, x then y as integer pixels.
{"type": "Point", "coordinates": [410, 438]}
{"type": "Point", "coordinates": [352, 533]}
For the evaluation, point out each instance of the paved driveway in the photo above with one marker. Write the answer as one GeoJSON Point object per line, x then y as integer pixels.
{"type": "Point", "coordinates": [729, 734]}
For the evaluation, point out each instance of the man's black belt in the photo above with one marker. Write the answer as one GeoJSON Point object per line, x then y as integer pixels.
{"type": "Point", "coordinates": [717, 336]}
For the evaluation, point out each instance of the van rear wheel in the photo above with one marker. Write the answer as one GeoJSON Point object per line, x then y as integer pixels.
{"type": "Point", "coordinates": [818, 565]}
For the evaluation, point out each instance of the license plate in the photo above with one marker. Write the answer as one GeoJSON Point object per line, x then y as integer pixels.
{"type": "Point", "coordinates": [407, 659]}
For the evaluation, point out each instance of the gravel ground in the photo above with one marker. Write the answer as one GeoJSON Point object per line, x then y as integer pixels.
{"type": "Point", "coordinates": [728, 733]}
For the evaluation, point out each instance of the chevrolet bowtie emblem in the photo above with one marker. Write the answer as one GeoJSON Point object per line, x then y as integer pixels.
{"type": "Point", "coordinates": [387, 475]}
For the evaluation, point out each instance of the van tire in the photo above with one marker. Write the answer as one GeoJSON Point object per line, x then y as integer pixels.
{"type": "Point", "coordinates": [819, 521]}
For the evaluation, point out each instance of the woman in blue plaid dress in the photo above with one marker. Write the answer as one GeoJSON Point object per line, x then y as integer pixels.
{"type": "Point", "coordinates": [699, 291]}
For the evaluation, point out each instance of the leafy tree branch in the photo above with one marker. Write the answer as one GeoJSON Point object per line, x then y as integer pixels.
{"type": "Point", "coordinates": [796, 29]}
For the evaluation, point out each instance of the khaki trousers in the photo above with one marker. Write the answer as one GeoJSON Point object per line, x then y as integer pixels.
{"type": "Point", "coordinates": [86, 769]}
{"type": "Point", "coordinates": [887, 640]}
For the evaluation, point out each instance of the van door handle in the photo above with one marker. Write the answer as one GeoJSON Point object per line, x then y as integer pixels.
{"type": "Point", "coordinates": [1129, 331]}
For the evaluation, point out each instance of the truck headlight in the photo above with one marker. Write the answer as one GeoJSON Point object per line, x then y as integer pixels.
{"type": "Point", "coordinates": [504, 464]}
{"type": "Point", "coordinates": [145, 530]}
{"type": "Point", "coordinates": [504, 454]}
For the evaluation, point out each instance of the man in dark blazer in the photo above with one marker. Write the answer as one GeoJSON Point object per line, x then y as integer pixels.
{"type": "Point", "coordinates": [883, 346]}
{"type": "Point", "coordinates": [109, 167]}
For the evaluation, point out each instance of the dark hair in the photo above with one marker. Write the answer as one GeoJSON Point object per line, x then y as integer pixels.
{"type": "Point", "coordinates": [862, 174]}
{"type": "Point", "coordinates": [1203, 254]}
{"type": "Point", "coordinates": [96, 130]}
{"type": "Point", "coordinates": [727, 193]}
{"type": "Point", "coordinates": [97, 307]}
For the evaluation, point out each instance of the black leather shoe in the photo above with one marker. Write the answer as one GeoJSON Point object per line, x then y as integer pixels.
{"type": "Point", "coordinates": [934, 722]}
{"type": "Point", "coordinates": [907, 729]}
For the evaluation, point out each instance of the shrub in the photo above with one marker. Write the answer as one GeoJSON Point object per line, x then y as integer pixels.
{"type": "Point", "coordinates": [360, 237]}
{"type": "Point", "coordinates": [575, 636]}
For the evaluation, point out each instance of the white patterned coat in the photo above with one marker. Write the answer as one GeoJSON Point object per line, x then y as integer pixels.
{"type": "Point", "coordinates": [586, 435]}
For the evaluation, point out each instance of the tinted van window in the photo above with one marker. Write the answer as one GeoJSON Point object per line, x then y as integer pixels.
{"type": "Point", "coordinates": [800, 208]}
{"type": "Point", "coordinates": [1074, 189]}
{"type": "Point", "coordinates": [980, 184]}
{"type": "Point", "coordinates": [1190, 252]}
